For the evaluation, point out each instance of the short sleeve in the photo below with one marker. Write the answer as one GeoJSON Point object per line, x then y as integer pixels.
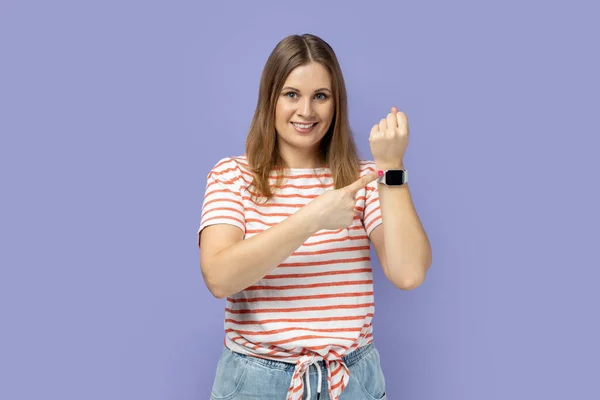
{"type": "Point", "coordinates": [372, 213]}
{"type": "Point", "coordinates": [223, 198]}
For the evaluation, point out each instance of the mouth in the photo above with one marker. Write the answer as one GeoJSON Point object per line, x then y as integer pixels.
{"type": "Point", "coordinates": [304, 128]}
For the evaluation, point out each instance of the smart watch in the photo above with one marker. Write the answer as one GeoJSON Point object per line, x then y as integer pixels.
{"type": "Point", "coordinates": [394, 177]}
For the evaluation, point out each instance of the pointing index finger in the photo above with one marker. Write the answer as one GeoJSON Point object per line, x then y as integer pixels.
{"type": "Point", "coordinates": [362, 182]}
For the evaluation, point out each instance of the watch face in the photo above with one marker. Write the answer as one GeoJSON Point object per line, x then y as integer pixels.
{"type": "Point", "coordinates": [394, 177]}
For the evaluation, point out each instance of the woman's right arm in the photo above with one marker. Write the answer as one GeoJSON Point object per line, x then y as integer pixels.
{"type": "Point", "coordinates": [230, 264]}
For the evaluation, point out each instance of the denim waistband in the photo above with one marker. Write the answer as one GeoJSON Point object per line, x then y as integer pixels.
{"type": "Point", "coordinates": [348, 359]}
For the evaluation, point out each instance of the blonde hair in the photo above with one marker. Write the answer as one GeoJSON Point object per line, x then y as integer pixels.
{"type": "Point", "coordinates": [337, 148]}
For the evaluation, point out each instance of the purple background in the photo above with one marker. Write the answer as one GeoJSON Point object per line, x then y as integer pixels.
{"type": "Point", "coordinates": [112, 114]}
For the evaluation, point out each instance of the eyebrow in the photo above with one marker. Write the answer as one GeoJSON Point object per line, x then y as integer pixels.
{"type": "Point", "coordinates": [324, 89]}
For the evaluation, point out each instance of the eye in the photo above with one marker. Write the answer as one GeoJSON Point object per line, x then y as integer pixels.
{"type": "Point", "coordinates": [291, 95]}
{"type": "Point", "coordinates": [321, 96]}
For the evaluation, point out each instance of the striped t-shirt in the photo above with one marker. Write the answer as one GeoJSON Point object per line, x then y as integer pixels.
{"type": "Point", "coordinates": [316, 305]}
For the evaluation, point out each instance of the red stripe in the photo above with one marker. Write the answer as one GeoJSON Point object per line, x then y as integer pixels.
{"type": "Point", "coordinates": [329, 262]}
{"type": "Point", "coordinates": [220, 181]}
{"type": "Point", "coordinates": [325, 232]}
{"type": "Point", "coordinates": [276, 331]}
{"type": "Point", "coordinates": [264, 214]}
{"type": "Point", "coordinates": [299, 309]}
{"type": "Point", "coordinates": [298, 320]}
{"type": "Point", "coordinates": [373, 222]}
{"type": "Point", "coordinates": [235, 210]}
{"type": "Point", "coordinates": [314, 274]}
{"type": "Point", "coordinates": [310, 337]}
{"type": "Point", "coordinates": [371, 200]}
{"type": "Point", "coordinates": [258, 221]}
{"type": "Point", "coordinates": [361, 237]}
{"type": "Point", "coordinates": [273, 174]}
{"type": "Point", "coordinates": [327, 251]}
{"type": "Point", "coordinates": [222, 200]}
{"type": "Point", "coordinates": [222, 217]}
{"type": "Point", "coordinates": [312, 285]}
{"type": "Point", "coordinates": [297, 298]}
{"type": "Point", "coordinates": [372, 212]}
{"type": "Point", "coordinates": [284, 196]}
{"type": "Point", "coordinates": [319, 185]}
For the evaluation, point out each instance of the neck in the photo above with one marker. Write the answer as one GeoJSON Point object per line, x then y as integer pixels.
{"type": "Point", "coordinates": [302, 159]}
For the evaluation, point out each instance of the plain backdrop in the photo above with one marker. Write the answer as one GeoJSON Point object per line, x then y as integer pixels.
{"type": "Point", "coordinates": [113, 112]}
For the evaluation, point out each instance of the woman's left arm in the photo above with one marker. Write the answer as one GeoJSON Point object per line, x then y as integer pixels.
{"type": "Point", "coordinates": [400, 242]}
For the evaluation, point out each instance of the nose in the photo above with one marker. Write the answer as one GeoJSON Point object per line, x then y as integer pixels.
{"type": "Point", "coordinates": [306, 109]}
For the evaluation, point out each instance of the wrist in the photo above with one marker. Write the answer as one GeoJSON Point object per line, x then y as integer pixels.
{"type": "Point", "coordinates": [386, 166]}
{"type": "Point", "coordinates": [308, 219]}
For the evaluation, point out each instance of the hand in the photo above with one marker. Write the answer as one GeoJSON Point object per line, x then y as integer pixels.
{"type": "Point", "coordinates": [335, 209]}
{"type": "Point", "coordinates": [389, 139]}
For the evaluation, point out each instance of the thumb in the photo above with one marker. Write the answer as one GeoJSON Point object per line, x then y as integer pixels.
{"type": "Point", "coordinates": [362, 182]}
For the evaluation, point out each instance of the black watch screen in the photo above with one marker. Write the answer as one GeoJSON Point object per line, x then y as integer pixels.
{"type": "Point", "coordinates": [394, 177]}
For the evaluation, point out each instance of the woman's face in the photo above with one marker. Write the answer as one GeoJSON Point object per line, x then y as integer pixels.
{"type": "Point", "coordinates": [304, 109]}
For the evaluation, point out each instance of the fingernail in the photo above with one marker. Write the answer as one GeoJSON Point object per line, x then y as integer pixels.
{"type": "Point", "coordinates": [380, 173]}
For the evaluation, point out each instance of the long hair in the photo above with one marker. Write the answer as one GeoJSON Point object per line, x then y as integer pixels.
{"type": "Point", "coordinates": [337, 148]}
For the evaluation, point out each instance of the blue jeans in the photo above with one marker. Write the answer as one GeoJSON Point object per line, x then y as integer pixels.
{"type": "Point", "coordinates": [242, 377]}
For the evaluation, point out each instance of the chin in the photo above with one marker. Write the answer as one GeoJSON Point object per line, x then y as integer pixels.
{"type": "Point", "coordinates": [304, 140]}
{"type": "Point", "coordinates": [301, 143]}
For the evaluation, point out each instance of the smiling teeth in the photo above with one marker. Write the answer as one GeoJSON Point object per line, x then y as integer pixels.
{"type": "Point", "coordinates": [303, 126]}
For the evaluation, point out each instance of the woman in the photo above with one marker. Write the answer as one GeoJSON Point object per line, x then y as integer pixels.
{"type": "Point", "coordinates": [285, 237]}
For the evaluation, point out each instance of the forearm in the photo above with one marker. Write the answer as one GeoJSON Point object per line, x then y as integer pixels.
{"type": "Point", "coordinates": [246, 262]}
{"type": "Point", "coordinates": [407, 248]}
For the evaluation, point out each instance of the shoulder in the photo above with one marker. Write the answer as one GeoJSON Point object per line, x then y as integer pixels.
{"type": "Point", "coordinates": [230, 164]}
{"type": "Point", "coordinates": [231, 168]}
